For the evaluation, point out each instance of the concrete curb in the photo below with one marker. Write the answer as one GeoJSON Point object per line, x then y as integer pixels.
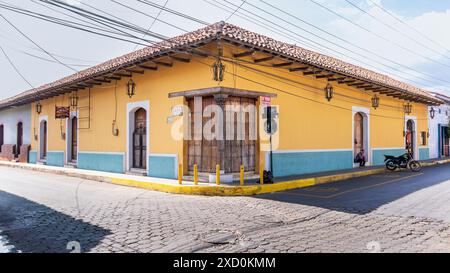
{"type": "Point", "coordinates": [206, 190]}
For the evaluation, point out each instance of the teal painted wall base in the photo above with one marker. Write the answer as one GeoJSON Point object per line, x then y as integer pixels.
{"type": "Point", "coordinates": [32, 157]}
{"type": "Point", "coordinates": [378, 155]}
{"type": "Point", "coordinates": [296, 163]}
{"type": "Point", "coordinates": [424, 153]}
{"type": "Point", "coordinates": [103, 162]}
{"type": "Point", "coordinates": [55, 159]}
{"type": "Point", "coordinates": [162, 166]}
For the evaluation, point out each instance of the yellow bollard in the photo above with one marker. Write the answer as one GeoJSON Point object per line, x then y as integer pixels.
{"type": "Point", "coordinates": [261, 175]}
{"type": "Point", "coordinates": [242, 175]}
{"type": "Point", "coordinates": [180, 174]}
{"type": "Point", "coordinates": [196, 174]}
{"type": "Point", "coordinates": [218, 174]}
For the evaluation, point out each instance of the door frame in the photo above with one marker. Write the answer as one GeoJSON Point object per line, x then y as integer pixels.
{"type": "Point", "coordinates": [415, 139]}
{"type": "Point", "coordinates": [366, 133]}
{"type": "Point", "coordinates": [17, 136]}
{"type": "Point", "coordinates": [132, 107]}
{"type": "Point", "coordinates": [68, 157]}
{"type": "Point", "coordinates": [41, 119]}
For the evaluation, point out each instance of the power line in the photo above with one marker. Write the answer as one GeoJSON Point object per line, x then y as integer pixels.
{"type": "Point", "coordinates": [408, 25]}
{"type": "Point", "coordinates": [15, 68]}
{"type": "Point", "coordinates": [31, 40]}
{"type": "Point", "coordinates": [360, 47]}
{"type": "Point", "coordinates": [147, 15]}
{"type": "Point", "coordinates": [179, 14]}
{"type": "Point", "coordinates": [154, 21]}
{"type": "Point", "coordinates": [66, 23]}
{"type": "Point", "coordinates": [395, 30]}
{"type": "Point", "coordinates": [379, 36]}
{"type": "Point", "coordinates": [236, 10]}
{"type": "Point", "coordinates": [331, 49]}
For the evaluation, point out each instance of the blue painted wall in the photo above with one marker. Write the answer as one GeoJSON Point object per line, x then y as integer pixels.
{"type": "Point", "coordinates": [162, 167]}
{"type": "Point", "coordinates": [287, 164]}
{"type": "Point", "coordinates": [424, 153]}
{"type": "Point", "coordinates": [32, 157]}
{"type": "Point", "coordinates": [55, 159]}
{"type": "Point", "coordinates": [101, 162]}
{"type": "Point", "coordinates": [378, 155]}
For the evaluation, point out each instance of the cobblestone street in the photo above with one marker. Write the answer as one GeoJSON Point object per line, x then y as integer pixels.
{"type": "Point", "coordinates": [399, 212]}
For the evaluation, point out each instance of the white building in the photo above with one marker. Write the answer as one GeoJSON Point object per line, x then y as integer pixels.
{"type": "Point", "coordinates": [439, 124]}
{"type": "Point", "coordinates": [15, 124]}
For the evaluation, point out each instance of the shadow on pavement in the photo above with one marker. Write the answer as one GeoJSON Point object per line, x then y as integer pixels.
{"type": "Point", "coordinates": [33, 228]}
{"type": "Point", "coordinates": [365, 194]}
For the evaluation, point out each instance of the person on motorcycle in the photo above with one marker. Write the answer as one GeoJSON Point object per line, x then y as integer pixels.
{"type": "Point", "coordinates": [361, 158]}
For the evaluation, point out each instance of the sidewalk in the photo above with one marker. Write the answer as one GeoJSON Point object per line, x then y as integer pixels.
{"type": "Point", "coordinates": [188, 187]}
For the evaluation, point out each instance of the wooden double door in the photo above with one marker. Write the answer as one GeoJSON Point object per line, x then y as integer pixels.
{"type": "Point", "coordinates": [239, 148]}
{"type": "Point", "coordinates": [140, 139]}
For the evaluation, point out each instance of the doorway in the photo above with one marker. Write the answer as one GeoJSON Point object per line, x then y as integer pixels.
{"type": "Point", "coordinates": [43, 140]}
{"type": "Point", "coordinates": [140, 139]}
{"type": "Point", "coordinates": [410, 138]}
{"type": "Point", "coordinates": [361, 134]}
{"type": "Point", "coordinates": [73, 139]}
{"type": "Point", "coordinates": [2, 136]}
{"type": "Point", "coordinates": [19, 141]}
{"type": "Point", "coordinates": [239, 145]}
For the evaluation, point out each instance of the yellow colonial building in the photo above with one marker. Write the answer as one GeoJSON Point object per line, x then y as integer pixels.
{"type": "Point", "coordinates": [138, 113]}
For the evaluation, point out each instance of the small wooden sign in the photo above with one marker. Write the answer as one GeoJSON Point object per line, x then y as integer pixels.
{"type": "Point", "coordinates": [62, 112]}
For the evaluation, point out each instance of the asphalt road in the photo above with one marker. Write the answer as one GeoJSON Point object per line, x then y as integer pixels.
{"type": "Point", "coordinates": [394, 212]}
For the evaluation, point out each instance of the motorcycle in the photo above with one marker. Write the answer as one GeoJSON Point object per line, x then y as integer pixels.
{"type": "Point", "coordinates": [402, 162]}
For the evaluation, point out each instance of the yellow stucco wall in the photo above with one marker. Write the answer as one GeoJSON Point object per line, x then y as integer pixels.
{"type": "Point", "coordinates": [307, 120]}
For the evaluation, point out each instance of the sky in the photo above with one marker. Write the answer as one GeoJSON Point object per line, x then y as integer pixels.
{"type": "Point", "coordinates": [405, 39]}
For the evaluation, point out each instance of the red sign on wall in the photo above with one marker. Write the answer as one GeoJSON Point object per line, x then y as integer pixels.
{"type": "Point", "coordinates": [62, 112]}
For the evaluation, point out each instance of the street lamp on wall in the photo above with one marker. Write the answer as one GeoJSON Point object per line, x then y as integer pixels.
{"type": "Point", "coordinates": [329, 92]}
{"type": "Point", "coordinates": [432, 113]}
{"type": "Point", "coordinates": [218, 70]}
{"type": "Point", "coordinates": [131, 87]}
{"type": "Point", "coordinates": [375, 102]}
{"type": "Point", "coordinates": [74, 101]}
{"type": "Point", "coordinates": [38, 108]}
{"type": "Point", "coordinates": [408, 108]}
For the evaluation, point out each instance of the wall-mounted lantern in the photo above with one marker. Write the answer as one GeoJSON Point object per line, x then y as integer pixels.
{"type": "Point", "coordinates": [408, 108]}
{"type": "Point", "coordinates": [375, 102]}
{"type": "Point", "coordinates": [432, 113]}
{"type": "Point", "coordinates": [131, 88]}
{"type": "Point", "coordinates": [74, 101]}
{"type": "Point", "coordinates": [218, 70]}
{"type": "Point", "coordinates": [38, 108]}
{"type": "Point", "coordinates": [329, 92]}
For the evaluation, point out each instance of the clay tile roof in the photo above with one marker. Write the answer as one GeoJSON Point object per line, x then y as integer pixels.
{"type": "Point", "coordinates": [211, 32]}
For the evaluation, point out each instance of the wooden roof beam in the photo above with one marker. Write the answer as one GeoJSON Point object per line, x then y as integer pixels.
{"type": "Point", "coordinates": [180, 59]}
{"type": "Point", "coordinates": [283, 64]}
{"type": "Point", "coordinates": [265, 59]}
{"type": "Point", "coordinates": [325, 76]}
{"type": "Point", "coordinates": [123, 75]}
{"type": "Point", "coordinates": [356, 84]}
{"type": "Point", "coordinates": [163, 63]}
{"type": "Point", "coordinates": [336, 79]}
{"type": "Point", "coordinates": [135, 71]}
{"type": "Point", "coordinates": [307, 73]}
{"type": "Point", "coordinates": [113, 78]}
{"type": "Point", "coordinates": [102, 80]}
{"type": "Point", "coordinates": [154, 68]}
{"type": "Point", "coordinates": [346, 82]}
{"type": "Point", "coordinates": [296, 69]}
{"type": "Point", "coordinates": [244, 54]}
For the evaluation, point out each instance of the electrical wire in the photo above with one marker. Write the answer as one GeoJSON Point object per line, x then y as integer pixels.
{"type": "Point", "coordinates": [15, 68]}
